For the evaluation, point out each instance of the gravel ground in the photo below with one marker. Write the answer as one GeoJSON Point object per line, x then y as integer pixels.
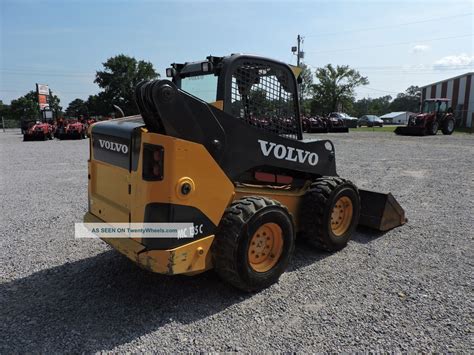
{"type": "Point", "coordinates": [406, 290]}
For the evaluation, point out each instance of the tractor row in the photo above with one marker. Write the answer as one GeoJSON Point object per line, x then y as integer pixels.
{"type": "Point", "coordinates": [61, 129]}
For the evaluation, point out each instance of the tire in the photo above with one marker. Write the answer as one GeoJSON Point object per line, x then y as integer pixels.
{"type": "Point", "coordinates": [324, 225]}
{"type": "Point", "coordinates": [238, 243]}
{"type": "Point", "coordinates": [433, 128]}
{"type": "Point", "coordinates": [448, 126]}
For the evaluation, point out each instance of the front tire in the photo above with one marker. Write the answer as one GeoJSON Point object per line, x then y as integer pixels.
{"type": "Point", "coordinates": [433, 129]}
{"type": "Point", "coordinates": [254, 243]}
{"type": "Point", "coordinates": [330, 213]}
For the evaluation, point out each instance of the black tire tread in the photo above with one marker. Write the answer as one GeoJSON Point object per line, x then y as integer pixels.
{"type": "Point", "coordinates": [225, 249]}
{"type": "Point", "coordinates": [314, 204]}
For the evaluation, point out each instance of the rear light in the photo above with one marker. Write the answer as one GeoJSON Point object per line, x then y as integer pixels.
{"type": "Point", "coordinates": [153, 162]}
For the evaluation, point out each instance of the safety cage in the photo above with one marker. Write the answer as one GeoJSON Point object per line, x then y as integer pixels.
{"type": "Point", "coordinates": [262, 93]}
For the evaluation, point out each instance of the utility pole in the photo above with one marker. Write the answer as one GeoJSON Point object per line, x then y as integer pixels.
{"type": "Point", "coordinates": [297, 50]}
{"type": "Point", "coordinates": [299, 56]}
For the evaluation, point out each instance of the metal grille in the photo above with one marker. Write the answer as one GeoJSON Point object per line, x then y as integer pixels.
{"type": "Point", "coordinates": [263, 96]}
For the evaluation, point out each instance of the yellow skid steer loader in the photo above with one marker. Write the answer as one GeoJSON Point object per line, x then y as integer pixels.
{"type": "Point", "coordinates": [220, 146]}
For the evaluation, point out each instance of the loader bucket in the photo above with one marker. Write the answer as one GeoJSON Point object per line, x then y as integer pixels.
{"type": "Point", "coordinates": [410, 131]}
{"type": "Point", "coordinates": [380, 211]}
{"type": "Point", "coordinates": [338, 130]}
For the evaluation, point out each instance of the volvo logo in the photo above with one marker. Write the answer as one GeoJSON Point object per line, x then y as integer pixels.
{"type": "Point", "coordinates": [113, 146]}
{"type": "Point", "coordinates": [282, 152]}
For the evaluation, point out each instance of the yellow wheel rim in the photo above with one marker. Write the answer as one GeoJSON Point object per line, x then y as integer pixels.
{"type": "Point", "coordinates": [341, 216]}
{"type": "Point", "coordinates": [265, 247]}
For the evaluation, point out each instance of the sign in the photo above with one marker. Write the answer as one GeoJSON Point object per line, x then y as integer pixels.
{"type": "Point", "coordinates": [43, 96]}
{"type": "Point", "coordinates": [42, 89]}
{"type": "Point", "coordinates": [43, 101]}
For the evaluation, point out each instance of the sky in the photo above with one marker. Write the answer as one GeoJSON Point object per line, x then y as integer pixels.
{"type": "Point", "coordinates": [394, 43]}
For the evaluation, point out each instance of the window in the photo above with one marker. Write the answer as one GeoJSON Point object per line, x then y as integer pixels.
{"type": "Point", "coordinates": [201, 86]}
{"type": "Point", "coordinates": [443, 106]}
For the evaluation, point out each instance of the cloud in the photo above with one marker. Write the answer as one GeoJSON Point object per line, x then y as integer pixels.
{"type": "Point", "coordinates": [454, 62]}
{"type": "Point", "coordinates": [420, 48]}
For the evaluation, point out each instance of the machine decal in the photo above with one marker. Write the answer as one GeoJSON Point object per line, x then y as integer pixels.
{"type": "Point", "coordinates": [113, 146]}
{"type": "Point", "coordinates": [288, 153]}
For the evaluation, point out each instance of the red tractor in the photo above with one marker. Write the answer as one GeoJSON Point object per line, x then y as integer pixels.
{"type": "Point", "coordinates": [435, 114]}
{"type": "Point", "coordinates": [38, 131]}
{"type": "Point", "coordinates": [71, 129]}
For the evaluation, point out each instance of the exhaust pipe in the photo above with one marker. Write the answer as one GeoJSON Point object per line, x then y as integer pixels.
{"type": "Point", "coordinates": [380, 211]}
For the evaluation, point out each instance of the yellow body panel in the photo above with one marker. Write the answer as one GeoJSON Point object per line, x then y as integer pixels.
{"type": "Point", "coordinates": [290, 198]}
{"type": "Point", "coordinates": [108, 192]}
{"type": "Point", "coordinates": [184, 161]}
{"type": "Point", "coordinates": [189, 258]}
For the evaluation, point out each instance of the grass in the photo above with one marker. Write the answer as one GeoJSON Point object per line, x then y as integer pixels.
{"type": "Point", "coordinates": [389, 129]}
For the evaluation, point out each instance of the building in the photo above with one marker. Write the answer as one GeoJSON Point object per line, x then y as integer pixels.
{"type": "Point", "coordinates": [396, 117]}
{"type": "Point", "coordinates": [460, 90]}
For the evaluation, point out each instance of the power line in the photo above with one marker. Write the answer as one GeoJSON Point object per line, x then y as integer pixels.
{"type": "Point", "coordinates": [72, 74]}
{"type": "Point", "coordinates": [389, 26]}
{"type": "Point", "coordinates": [390, 44]}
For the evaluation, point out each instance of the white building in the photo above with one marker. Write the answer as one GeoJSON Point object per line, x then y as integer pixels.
{"type": "Point", "coordinates": [396, 117]}
{"type": "Point", "coordinates": [460, 90]}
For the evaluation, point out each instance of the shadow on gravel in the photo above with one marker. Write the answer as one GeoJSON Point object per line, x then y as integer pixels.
{"type": "Point", "coordinates": [366, 235]}
{"type": "Point", "coordinates": [104, 301]}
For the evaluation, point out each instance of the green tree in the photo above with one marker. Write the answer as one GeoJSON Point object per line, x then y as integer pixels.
{"type": "Point", "coordinates": [335, 88]}
{"type": "Point", "coordinates": [407, 101]}
{"type": "Point", "coordinates": [99, 105]}
{"type": "Point", "coordinates": [54, 104]}
{"type": "Point", "coordinates": [76, 108]}
{"type": "Point", "coordinates": [306, 88]}
{"type": "Point", "coordinates": [367, 106]}
{"type": "Point", "coordinates": [25, 107]}
{"type": "Point", "coordinates": [119, 78]}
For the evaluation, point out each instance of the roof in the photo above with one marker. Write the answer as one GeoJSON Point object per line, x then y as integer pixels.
{"type": "Point", "coordinates": [442, 81]}
{"type": "Point", "coordinates": [395, 114]}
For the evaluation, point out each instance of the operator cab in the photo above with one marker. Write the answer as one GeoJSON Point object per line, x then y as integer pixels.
{"type": "Point", "coordinates": [436, 105]}
{"type": "Point", "coordinates": [259, 91]}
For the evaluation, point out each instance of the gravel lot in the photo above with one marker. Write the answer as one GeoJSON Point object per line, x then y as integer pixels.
{"type": "Point", "coordinates": [405, 290]}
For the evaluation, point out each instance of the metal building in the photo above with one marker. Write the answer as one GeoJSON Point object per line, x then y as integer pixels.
{"type": "Point", "coordinates": [460, 90]}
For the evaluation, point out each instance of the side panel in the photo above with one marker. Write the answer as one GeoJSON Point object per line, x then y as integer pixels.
{"type": "Point", "coordinates": [162, 201]}
{"type": "Point", "coordinates": [108, 192]}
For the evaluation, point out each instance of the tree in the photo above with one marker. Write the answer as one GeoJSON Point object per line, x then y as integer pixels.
{"type": "Point", "coordinates": [407, 101]}
{"type": "Point", "coordinates": [77, 107]}
{"type": "Point", "coordinates": [119, 78]}
{"type": "Point", "coordinates": [306, 88]}
{"type": "Point", "coordinates": [335, 88]}
{"type": "Point", "coordinates": [99, 105]}
{"type": "Point", "coordinates": [367, 106]}
{"type": "Point", "coordinates": [54, 104]}
{"type": "Point", "coordinates": [25, 107]}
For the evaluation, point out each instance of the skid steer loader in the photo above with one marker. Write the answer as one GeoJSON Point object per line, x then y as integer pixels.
{"type": "Point", "coordinates": [199, 153]}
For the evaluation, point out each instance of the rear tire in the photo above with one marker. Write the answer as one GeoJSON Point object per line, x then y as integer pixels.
{"type": "Point", "coordinates": [330, 213]}
{"type": "Point", "coordinates": [254, 243]}
{"type": "Point", "coordinates": [448, 126]}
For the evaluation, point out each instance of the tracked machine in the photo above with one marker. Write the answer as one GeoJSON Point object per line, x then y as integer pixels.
{"type": "Point", "coordinates": [220, 146]}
